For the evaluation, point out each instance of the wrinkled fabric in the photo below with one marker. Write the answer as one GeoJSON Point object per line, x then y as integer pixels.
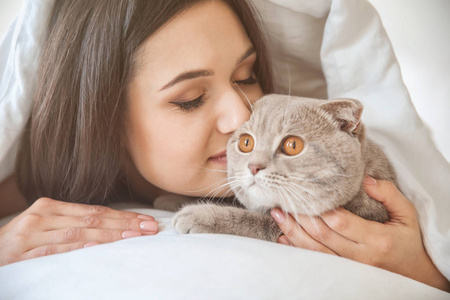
{"type": "Point", "coordinates": [19, 60]}
{"type": "Point", "coordinates": [201, 266]}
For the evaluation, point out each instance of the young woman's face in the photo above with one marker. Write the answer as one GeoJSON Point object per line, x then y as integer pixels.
{"type": "Point", "coordinates": [191, 92]}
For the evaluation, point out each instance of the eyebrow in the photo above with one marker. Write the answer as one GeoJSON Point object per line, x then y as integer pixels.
{"type": "Point", "coordinates": [202, 72]}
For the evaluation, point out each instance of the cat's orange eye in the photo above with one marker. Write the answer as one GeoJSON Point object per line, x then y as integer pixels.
{"type": "Point", "coordinates": [292, 146]}
{"type": "Point", "coordinates": [246, 143]}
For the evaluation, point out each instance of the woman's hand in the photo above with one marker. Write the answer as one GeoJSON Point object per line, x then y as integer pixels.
{"type": "Point", "coordinates": [395, 245]}
{"type": "Point", "coordinates": [49, 226]}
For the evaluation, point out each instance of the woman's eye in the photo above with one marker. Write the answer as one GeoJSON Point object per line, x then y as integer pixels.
{"type": "Point", "coordinates": [249, 81]}
{"type": "Point", "coordinates": [190, 105]}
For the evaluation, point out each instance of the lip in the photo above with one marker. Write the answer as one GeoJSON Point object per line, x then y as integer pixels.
{"type": "Point", "coordinates": [220, 157]}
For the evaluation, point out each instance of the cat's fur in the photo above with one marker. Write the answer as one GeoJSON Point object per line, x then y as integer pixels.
{"type": "Point", "coordinates": [328, 173]}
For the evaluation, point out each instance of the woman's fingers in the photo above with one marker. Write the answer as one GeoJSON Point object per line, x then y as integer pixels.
{"type": "Point", "coordinates": [77, 234]}
{"type": "Point", "coordinates": [399, 208]}
{"type": "Point", "coordinates": [294, 233]}
{"type": "Point", "coordinates": [348, 224]}
{"type": "Point", "coordinates": [50, 226]}
{"type": "Point", "coordinates": [55, 207]}
{"type": "Point", "coordinates": [64, 230]}
{"type": "Point", "coordinates": [313, 233]}
{"type": "Point", "coordinates": [317, 229]}
{"type": "Point", "coordinates": [137, 224]}
{"type": "Point", "coordinates": [62, 223]}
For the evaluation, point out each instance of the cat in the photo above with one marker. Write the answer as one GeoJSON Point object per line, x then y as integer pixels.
{"type": "Point", "coordinates": [302, 155]}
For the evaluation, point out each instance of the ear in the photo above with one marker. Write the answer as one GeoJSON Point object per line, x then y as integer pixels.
{"type": "Point", "coordinates": [346, 111]}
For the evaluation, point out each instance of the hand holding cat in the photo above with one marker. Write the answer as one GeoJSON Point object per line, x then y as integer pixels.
{"type": "Point", "coordinates": [49, 226]}
{"type": "Point", "coordinates": [395, 245]}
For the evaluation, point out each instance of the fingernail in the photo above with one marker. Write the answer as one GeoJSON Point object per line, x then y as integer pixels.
{"type": "Point", "coordinates": [283, 240]}
{"type": "Point", "coordinates": [278, 215]}
{"type": "Point", "coordinates": [144, 217]}
{"type": "Point", "coordinates": [130, 233]}
{"type": "Point", "coordinates": [90, 244]}
{"type": "Point", "coordinates": [370, 180]}
{"type": "Point", "coordinates": [149, 226]}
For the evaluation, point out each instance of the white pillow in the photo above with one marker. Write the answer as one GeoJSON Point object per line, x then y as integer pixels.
{"type": "Point", "coordinates": [201, 266]}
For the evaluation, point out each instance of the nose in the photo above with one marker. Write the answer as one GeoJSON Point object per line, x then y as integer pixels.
{"type": "Point", "coordinates": [255, 168]}
{"type": "Point", "coordinates": [233, 112]}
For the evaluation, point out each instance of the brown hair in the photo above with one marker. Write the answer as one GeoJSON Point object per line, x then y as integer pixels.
{"type": "Point", "coordinates": [72, 147]}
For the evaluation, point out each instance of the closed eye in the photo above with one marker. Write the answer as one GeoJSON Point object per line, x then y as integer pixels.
{"type": "Point", "coordinates": [190, 105]}
{"type": "Point", "coordinates": [249, 81]}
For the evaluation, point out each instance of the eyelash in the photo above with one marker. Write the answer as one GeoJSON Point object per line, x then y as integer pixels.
{"type": "Point", "coordinates": [190, 105]}
{"type": "Point", "coordinates": [248, 81]}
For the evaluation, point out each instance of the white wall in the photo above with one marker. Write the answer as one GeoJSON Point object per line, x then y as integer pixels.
{"type": "Point", "coordinates": [420, 33]}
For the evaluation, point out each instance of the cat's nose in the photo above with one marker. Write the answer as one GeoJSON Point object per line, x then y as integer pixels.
{"type": "Point", "coordinates": [255, 168]}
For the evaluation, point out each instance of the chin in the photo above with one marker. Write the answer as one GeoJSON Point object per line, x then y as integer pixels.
{"type": "Point", "coordinates": [259, 199]}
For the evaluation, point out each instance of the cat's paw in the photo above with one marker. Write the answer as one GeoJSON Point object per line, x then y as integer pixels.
{"type": "Point", "coordinates": [196, 219]}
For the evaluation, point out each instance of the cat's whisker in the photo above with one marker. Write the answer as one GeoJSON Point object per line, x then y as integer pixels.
{"type": "Point", "coordinates": [282, 177]}
{"type": "Point", "coordinates": [304, 179]}
{"type": "Point", "coordinates": [235, 185]}
{"type": "Point", "coordinates": [304, 203]}
{"type": "Point", "coordinates": [214, 170]}
{"type": "Point", "coordinates": [290, 80]}
{"type": "Point", "coordinates": [284, 197]}
{"type": "Point", "coordinates": [213, 193]}
{"type": "Point", "coordinates": [218, 199]}
{"type": "Point", "coordinates": [200, 190]}
{"type": "Point", "coordinates": [310, 207]}
{"type": "Point", "coordinates": [298, 199]}
{"type": "Point", "coordinates": [293, 210]}
{"type": "Point", "coordinates": [221, 188]}
{"type": "Point", "coordinates": [246, 98]}
{"type": "Point", "coordinates": [301, 187]}
{"type": "Point", "coordinates": [282, 201]}
{"type": "Point", "coordinates": [289, 95]}
{"type": "Point", "coordinates": [342, 175]}
{"type": "Point", "coordinates": [236, 196]}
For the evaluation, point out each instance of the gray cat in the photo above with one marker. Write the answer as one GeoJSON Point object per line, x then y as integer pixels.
{"type": "Point", "coordinates": [302, 155]}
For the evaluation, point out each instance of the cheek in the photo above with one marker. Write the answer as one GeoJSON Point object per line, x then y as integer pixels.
{"type": "Point", "coordinates": [169, 153]}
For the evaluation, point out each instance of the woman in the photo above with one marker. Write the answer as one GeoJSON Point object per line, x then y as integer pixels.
{"type": "Point", "coordinates": [139, 98]}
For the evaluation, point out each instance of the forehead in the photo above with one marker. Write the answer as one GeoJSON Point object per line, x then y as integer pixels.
{"type": "Point", "coordinates": [203, 36]}
{"type": "Point", "coordinates": [278, 115]}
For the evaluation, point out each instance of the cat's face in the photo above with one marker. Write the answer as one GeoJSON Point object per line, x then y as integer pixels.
{"type": "Point", "coordinates": [302, 155]}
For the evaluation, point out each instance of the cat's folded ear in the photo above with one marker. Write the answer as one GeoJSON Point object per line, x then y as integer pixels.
{"type": "Point", "coordinates": [346, 111]}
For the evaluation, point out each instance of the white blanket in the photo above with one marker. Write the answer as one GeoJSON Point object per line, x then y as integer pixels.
{"type": "Point", "coordinates": [201, 266]}
{"type": "Point", "coordinates": [322, 48]}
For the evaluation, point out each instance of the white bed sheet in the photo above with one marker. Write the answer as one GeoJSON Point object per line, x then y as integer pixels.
{"type": "Point", "coordinates": [201, 266]}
